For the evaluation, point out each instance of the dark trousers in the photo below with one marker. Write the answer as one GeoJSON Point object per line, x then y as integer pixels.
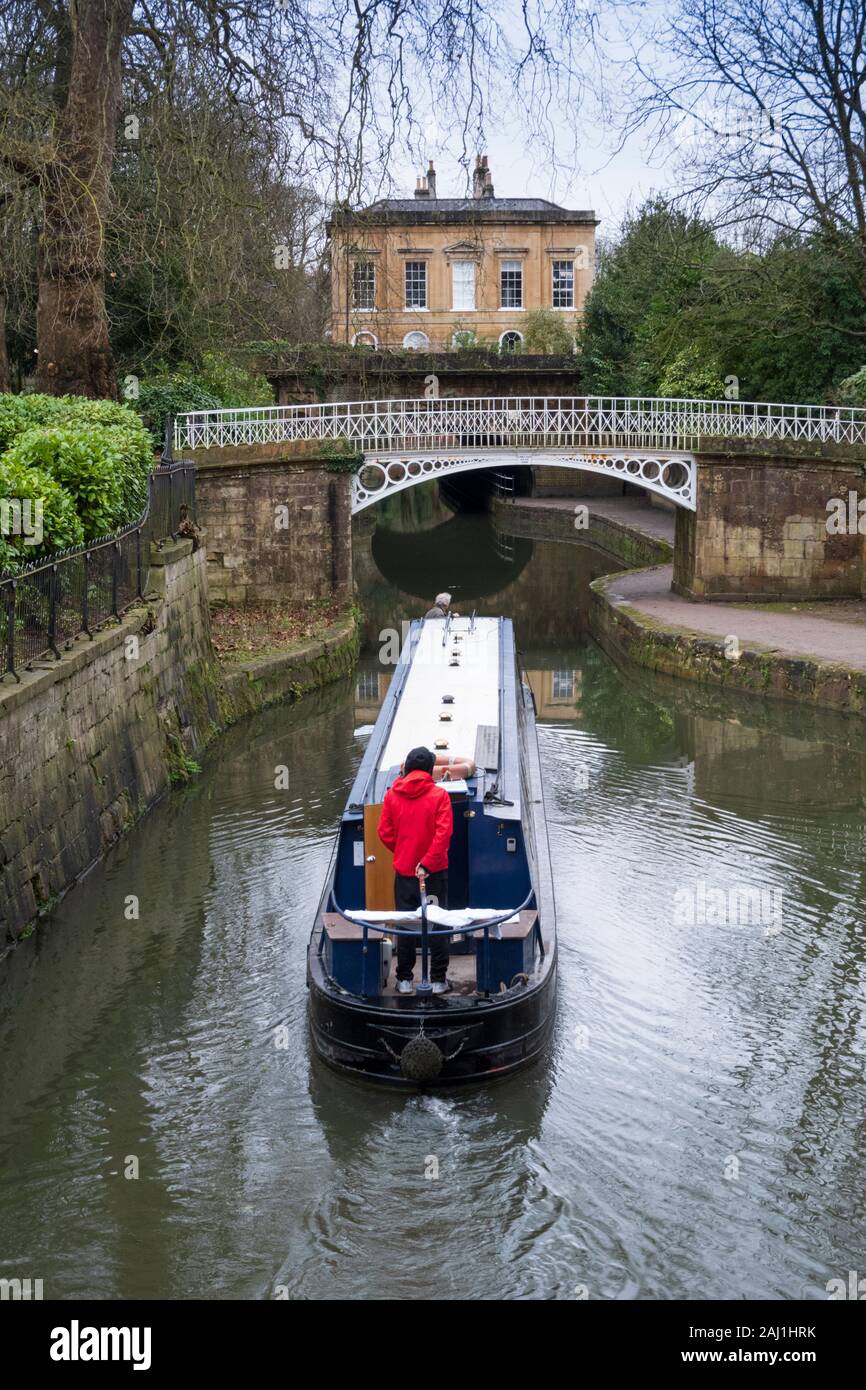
{"type": "Point", "coordinates": [407, 896]}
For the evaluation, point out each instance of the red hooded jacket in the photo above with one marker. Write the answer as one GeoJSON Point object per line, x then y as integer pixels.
{"type": "Point", "coordinates": [416, 823]}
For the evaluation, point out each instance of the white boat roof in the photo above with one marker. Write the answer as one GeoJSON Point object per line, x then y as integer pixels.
{"type": "Point", "coordinates": [474, 684]}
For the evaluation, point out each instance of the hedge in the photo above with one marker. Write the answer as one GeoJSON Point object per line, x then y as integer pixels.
{"type": "Point", "coordinates": [88, 460]}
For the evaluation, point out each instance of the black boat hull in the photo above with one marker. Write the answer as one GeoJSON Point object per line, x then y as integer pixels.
{"type": "Point", "coordinates": [486, 1040]}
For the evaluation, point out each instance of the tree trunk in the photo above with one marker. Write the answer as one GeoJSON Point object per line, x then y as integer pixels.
{"type": "Point", "coordinates": [71, 321]}
{"type": "Point", "coordinates": [5, 379]}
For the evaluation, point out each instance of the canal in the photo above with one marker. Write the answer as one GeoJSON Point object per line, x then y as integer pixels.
{"type": "Point", "coordinates": [698, 1128]}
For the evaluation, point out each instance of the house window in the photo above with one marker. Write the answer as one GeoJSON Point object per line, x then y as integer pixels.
{"type": "Point", "coordinates": [563, 685]}
{"type": "Point", "coordinates": [563, 284]}
{"type": "Point", "coordinates": [418, 342]}
{"type": "Point", "coordinates": [510, 341]}
{"type": "Point", "coordinates": [463, 285]}
{"type": "Point", "coordinates": [363, 285]}
{"type": "Point", "coordinates": [365, 339]}
{"type": "Point", "coordinates": [416, 284]}
{"type": "Point", "coordinates": [463, 338]}
{"type": "Point", "coordinates": [511, 284]}
{"type": "Point", "coordinates": [368, 687]}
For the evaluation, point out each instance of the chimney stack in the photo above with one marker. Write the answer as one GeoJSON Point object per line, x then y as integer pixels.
{"type": "Point", "coordinates": [482, 179]}
{"type": "Point", "coordinates": [421, 189]}
{"type": "Point", "coordinates": [478, 176]}
{"type": "Point", "coordinates": [431, 179]}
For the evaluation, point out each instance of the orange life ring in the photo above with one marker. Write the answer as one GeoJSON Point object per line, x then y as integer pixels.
{"type": "Point", "coordinates": [452, 769]}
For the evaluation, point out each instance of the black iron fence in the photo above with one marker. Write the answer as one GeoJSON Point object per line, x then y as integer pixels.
{"type": "Point", "coordinates": [44, 607]}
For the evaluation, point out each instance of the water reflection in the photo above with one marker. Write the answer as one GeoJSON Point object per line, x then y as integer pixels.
{"type": "Point", "coordinates": [698, 1131]}
{"type": "Point", "coordinates": [397, 574]}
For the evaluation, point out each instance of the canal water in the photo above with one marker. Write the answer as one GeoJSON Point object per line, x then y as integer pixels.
{"type": "Point", "coordinates": [698, 1128]}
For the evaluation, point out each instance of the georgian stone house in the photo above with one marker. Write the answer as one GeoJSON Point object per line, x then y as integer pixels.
{"type": "Point", "coordinates": [429, 273]}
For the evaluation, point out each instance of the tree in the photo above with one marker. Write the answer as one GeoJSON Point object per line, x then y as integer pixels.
{"type": "Point", "coordinates": [852, 391]}
{"type": "Point", "coordinates": [201, 205]}
{"type": "Point", "coordinates": [693, 376]}
{"type": "Point", "coordinates": [636, 315]}
{"type": "Point", "coordinates": [764, 101]}
{"type": "Point", "coordinates": [335, 80]}
{"type": "Point", "coordinates": [674, 311]}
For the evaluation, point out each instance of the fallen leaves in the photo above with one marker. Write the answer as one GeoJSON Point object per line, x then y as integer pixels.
{"type": "Point", "coordinates": [257, 629]}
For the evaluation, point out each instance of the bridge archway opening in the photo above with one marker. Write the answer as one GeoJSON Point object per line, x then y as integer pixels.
{"type": "Point", "coordinates": [669, 475]}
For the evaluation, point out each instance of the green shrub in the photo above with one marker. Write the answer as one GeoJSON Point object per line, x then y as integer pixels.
{"type": "Point", "coordinates": [130, 446]}
{"type": "Point", "coordinates": [171, 395]}
{"type": "Point", "coordinates": [852, 391]}
{"type": "Point", "coordinates": [233, 385]}
{"type": "Point", "coordinates": [61, 525]}
{"type": "Point", "coordinates": [545, 331]}
{"type": "Point", "coordinates": [21, 413]}
{"type": "Point", "coordinates": [87, 465]}
{"type": "Point", "coordinates": [217, 384]}
{"type": "Point", "coordinates": [692, 376]}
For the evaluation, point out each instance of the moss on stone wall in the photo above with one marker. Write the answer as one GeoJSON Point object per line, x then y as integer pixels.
{"type": "Point", "coordinates": [632, 547]}
{"type": "Point", "coordinates": [90, 742]}
{"type": "Point", "coordinates": [624, 632]}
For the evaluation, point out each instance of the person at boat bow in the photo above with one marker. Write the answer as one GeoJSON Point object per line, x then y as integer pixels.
{"type": "Point", "coordinates": [416, 825]}
{"type": "Point", "coordinates": [441, 607]}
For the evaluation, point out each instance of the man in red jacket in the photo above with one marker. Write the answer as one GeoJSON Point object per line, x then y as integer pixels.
{"type": "Point", "coordinates": [416, 823]}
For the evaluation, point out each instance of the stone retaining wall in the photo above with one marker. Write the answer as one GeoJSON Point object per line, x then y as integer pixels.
{"type": "Point", "coordinates": [278, 522]}
{"type": "Point", "coordinates": [628, 544]}
{"type": "Point", "coordinates": [625, 633]}
{"type": "Point", "coordinates": [89, 742]}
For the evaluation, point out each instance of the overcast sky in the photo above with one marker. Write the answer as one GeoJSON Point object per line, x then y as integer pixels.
{"type": "Point", "coordinates": [588, 170]}
{"type": "Point", "coordinates": [606, 182]}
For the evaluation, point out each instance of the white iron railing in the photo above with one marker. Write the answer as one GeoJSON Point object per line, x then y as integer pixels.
{"type": "Point", "coordinates": [673, 476]}
{"type": "Point", "coordinates": [579, 422]}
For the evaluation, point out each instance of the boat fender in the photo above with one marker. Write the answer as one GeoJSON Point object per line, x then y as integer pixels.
{"type": "Point", "coordinates": [421, 1059]}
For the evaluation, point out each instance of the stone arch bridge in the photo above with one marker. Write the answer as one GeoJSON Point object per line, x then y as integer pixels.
{"type": "Point", "coordinates": [759, 488]}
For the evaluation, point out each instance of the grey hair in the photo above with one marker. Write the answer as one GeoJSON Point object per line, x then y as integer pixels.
{"type": "Point", "coordinates": [444, 599]}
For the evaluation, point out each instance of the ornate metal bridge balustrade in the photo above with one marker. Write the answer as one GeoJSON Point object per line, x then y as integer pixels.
{"type": "Point", "coordinates": [670, 475]}
{"type": "Point", "coordinates": [647, 439]}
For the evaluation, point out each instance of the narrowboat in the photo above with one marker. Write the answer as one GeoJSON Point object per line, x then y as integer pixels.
{"type": "Point", "coordinates": [458, 691]}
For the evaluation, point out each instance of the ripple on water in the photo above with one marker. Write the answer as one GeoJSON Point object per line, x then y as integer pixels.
{"type": "Point", "coordinates": [696, 1131]}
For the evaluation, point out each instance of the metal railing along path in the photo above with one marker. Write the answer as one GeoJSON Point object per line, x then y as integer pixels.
{"type": "Point", "coordinates": [44, 607]}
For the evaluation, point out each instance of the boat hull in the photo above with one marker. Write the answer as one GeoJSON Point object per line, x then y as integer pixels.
{"type": "Point", "coordinates": [483, 1041]}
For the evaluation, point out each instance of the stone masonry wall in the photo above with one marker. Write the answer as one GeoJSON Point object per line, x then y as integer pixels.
{"type": "Point", "coordinates": [88, 742]}
{"type": "Point", "coordinates": [760, 530]}
{"type": "Point", "coordinates": [627, 544]}
{"type": "Point", "coordinates": [277, 527]}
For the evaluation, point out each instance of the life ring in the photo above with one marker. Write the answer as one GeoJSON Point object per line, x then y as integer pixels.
{"type": "Point", "coordinates": [451, 768]}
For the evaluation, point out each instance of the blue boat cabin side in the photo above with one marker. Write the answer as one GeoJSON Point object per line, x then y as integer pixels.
{"type": "Point", "coordinates": [488, 863]}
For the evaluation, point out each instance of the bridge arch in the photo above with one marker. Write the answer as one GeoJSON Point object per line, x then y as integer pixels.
{"type": "Point", "coordinates": [669, 475]}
